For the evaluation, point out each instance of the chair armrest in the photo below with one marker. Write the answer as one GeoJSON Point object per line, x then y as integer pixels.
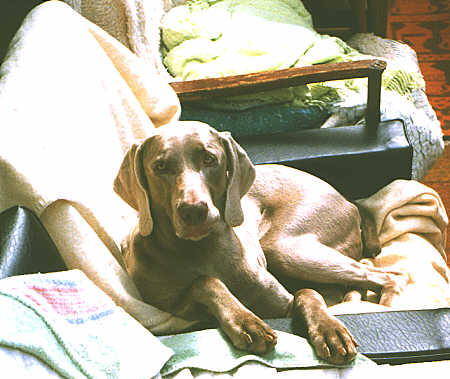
{"type": "Point", "coordinates": [204, 89]}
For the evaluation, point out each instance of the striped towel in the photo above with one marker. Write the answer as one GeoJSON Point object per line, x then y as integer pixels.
{"type": "Point", "coordinates": [66, 321]}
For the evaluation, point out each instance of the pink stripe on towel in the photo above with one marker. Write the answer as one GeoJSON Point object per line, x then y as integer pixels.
{"type": "Point", "coordinates": [75, 303]}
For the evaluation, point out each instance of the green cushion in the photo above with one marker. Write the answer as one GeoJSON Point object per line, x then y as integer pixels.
{"type": "Point", "coordinates": [270, 119]}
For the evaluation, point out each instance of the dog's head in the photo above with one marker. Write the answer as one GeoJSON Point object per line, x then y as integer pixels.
{"type": "Point", "coordinates": [191, 174]}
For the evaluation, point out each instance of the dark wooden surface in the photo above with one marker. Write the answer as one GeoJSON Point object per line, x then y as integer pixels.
{"type": "Point", "coordinates": [194, 90]}
{"type": "Point", "coordinates": [205, 89]}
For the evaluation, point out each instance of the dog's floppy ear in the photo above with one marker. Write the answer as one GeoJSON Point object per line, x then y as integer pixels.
{"type": "Point", "coordinates": [130, 185]}
{"type": "Point", "coordinates": [241, 174]}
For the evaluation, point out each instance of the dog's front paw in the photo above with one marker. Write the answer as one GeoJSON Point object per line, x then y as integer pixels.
{"type": "Point", "coordinates": [248, 332]}
{"type": "Point", "coordinates": [329, 337]}
{"type": "Point", "coordinates": [331, 340]}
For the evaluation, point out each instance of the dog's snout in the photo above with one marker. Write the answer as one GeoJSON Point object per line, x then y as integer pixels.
{"type": "Point", "coordinates": [193, 213]}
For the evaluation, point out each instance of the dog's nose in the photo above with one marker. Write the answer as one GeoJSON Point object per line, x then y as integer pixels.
{"type": "Point", "coordinates": [193, 213]}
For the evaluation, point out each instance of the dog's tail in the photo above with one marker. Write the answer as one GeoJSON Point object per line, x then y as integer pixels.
{"type": "Point", "coordinates": [369, 234]}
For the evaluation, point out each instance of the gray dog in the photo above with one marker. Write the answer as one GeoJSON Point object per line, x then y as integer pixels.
{"type": "Point", "coordinates": [218, 237]}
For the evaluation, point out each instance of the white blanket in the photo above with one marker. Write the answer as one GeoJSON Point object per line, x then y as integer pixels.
{"type": "Point", "coordinates": [72, 101]}
{"type": "Point", "coordinates": [412, 226]}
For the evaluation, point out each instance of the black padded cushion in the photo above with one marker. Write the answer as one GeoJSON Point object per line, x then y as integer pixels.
{"type": "Point", "coordinates": [25, 246]}
{"type": "Point", "coordinates": [394, 337]}
{"type": "Point", "coordinates": [356, 163]}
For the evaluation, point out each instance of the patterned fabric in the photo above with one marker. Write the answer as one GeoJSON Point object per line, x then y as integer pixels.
{"type": "Point", "coordinates": [425, 26]}
{"type": "Point", "coordinates": [76, 329]}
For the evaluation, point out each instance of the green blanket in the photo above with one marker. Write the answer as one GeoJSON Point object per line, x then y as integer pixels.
{"type": "Point", "coordinates": [210, 350]}
{"type": "Point", "coordinates": [64, 320]}
{"type": "Point", "coordinates": [215, 38]}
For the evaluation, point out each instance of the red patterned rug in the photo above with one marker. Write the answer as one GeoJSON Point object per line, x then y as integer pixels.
{"type": "Point", "coordinates": [425, 26]}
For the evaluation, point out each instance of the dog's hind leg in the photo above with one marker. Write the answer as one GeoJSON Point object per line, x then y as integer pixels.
{"type": "Point", "coordinates": [305, 258]}
{"type": "Point", "coordinates": [245, 329]}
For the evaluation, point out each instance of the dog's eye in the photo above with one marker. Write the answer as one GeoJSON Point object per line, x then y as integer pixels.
{"type": "Point", "coordinates": [209, 160]}
{"type": "Point", "coordinates": [160, 166]}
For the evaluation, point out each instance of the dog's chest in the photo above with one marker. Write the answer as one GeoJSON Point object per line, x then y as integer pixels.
{"type": "Point", "coordinates": [164, 277]}
{"type": "Point", "coordinates": [234, 270]}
